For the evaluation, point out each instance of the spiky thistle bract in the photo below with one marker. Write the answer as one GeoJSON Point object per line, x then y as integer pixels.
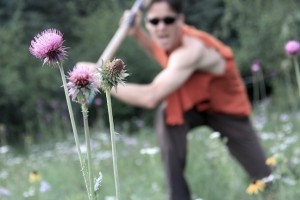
{"type": "Point", "coordinates": [112, 73]}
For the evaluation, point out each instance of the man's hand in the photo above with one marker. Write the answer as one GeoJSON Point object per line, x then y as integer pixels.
{"type": "Point", "coordinates": [136, 25]}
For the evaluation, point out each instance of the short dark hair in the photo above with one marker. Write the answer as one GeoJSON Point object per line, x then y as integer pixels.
{"type": "Point", "coordinates": [176, 5]}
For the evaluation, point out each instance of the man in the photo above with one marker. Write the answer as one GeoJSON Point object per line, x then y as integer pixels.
{"type": "Point", "coordinates": [199, 85]}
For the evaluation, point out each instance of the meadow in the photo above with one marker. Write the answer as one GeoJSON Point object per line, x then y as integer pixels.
{"type": "Point", "coordinates": [211, 172]}
{"type": "Point", "coordinates": [46, 165]}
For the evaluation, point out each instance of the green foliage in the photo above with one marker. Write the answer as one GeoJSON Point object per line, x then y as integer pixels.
{"type": "Point", "coordinates": [262, 28]}
{"type": "Point", "coordinates": [23, 81]}
{"type": "Point", "coordinates": [205, 14]}
{"type": "Point", "coordinates": [255, 29]}
{"type": "Point", "coordinates": [25, 84]}
{"type": "Point", "coordinates": [82, 23]}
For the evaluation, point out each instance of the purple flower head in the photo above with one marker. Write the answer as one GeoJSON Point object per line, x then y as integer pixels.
{"type": "Point", "coordinates": [48, 46]}
{"type": "Point", "coordinates": [255, 66]}
{"type": "Point", "coordinates": [4, 192]}
{"type": "Point", "coordinates": [45, 186]}
{"type": "Point", "coordinates": [54, 105]}
{"type": "Point", "coordinates": [292, 48]}
{"type": "Point", "coordinates": [98, 101]}
{"type": "Point", "coordinates": [83, 83]}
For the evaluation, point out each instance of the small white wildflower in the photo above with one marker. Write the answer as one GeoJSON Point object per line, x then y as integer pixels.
{"type": "Point", "coordinates": [83, 148]}
{"type": "Point", "coordinates": [295, 161]}
{"type": "Point", "coordinates": [291, 140]}
{"type": "Point", "coordinates": [215, 135]}
{"type": "Point", "coordinates": [270, 178]}
{"type": "Point", "coordinates": [287, 127]}
{"type": "Point", "coordinates": [4, 149]}
{"type": "Point", "coordinates": [281, 136]}
{"type": "Point", "coordinates": [3, 174]}
{"type": "Point", "coordinates": [297, 151]}
{"type": "Point", "coordinates": [284, 117]}
{"type": "Point", "coordinates": [109, 198]}
{"type": "Point", "coordinates": [155, 187]}
{"type": "Point", "coordinates": [98, 182]}
{"type": "Point", "coordinates": [29, 193]}
{"type": "Point", "coordinates": [274, 149]}
{"type": "Point", "coordinates": [130, 141]}
{"type": "Point", "coordinates": [104, 155]}
{"type": "Point", "coordinates": [212, 154]}
{"type": "Point", "coordinates": [149, 151]}
{"type": "Point", "coordinates": [260, 122]}
{"type": "Point", "coordinates": [267, 136]}
{"type": "Point", "coordinates": [283, 146]}
{"type": "Point", "coordinates": [288, 181]}
{"type": "Point", "coordinates": [14, 161]}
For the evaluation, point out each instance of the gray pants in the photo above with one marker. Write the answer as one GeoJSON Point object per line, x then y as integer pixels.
{"type": "Point", "coordinates": [242, 143]}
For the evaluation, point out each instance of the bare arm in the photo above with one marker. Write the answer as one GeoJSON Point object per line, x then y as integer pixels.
{"type": "Point", "coordinates": [192, 56]}
{"type": "Point", "coordinates": [138, 33]}
{"type": "Point", "coordinates": [182, 63]}
{"type": "Point", "coordinates": [150, 95]}
{"type": "Point", "coordinates": [167, 81]}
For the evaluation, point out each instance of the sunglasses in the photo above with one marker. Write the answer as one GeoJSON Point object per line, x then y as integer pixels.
{"type": "Point", "coordinates": [168, 20]}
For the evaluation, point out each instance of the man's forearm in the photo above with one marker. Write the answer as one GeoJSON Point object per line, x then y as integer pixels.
{"type": "Point", "coordinates": [135, 94]}
{"type": "Point", "coordinates": [143, 40]}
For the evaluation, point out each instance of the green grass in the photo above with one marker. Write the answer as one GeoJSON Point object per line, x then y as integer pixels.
{"type": "Point", "coordinates": [211, 172]}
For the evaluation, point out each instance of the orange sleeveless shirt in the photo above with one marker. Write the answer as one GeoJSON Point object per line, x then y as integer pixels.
{"type": "Point", "coordinates": [204, 91]}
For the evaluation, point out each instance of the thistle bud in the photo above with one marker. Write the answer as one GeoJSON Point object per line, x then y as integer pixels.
{"type": "Point", "coordinates": [112, 73]}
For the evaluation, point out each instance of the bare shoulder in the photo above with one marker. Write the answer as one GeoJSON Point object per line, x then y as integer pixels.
{"type": "Point", "coordinates": [189, 53]}
{"type": "Point", "coordinates": [195, 55]}
{"type": "Point", "coordinates": [190, 45]}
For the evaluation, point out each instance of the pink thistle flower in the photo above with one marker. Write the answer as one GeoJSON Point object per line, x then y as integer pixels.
{"type": "Point", "coordinates": [292, 48]}
{"type": "Point", "coordinates": [48, 46]}
{"type": "Point", "coordinates": [255, 66]}
{"type": "Point", "coordinates": [83, 83]}
{"type": "Point", "coordinates": [98, 102]}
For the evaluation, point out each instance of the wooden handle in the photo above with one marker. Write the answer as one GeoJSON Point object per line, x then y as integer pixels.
{"type": "Point", "coordinates": [120, 34]}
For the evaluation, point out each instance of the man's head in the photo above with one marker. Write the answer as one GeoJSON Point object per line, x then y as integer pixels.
{"type": "Point", "coordinates": [163, 21]}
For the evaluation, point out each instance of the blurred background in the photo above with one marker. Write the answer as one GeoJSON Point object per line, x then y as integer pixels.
{"type": "Point", "coordinates": [31, 97]}
{"type": "Point", "coordinates": [38, 157]}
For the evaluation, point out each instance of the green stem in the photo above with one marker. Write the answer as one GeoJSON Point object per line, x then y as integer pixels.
{"type": "Point", "coordinates": [63, 77]}
{"type": "Point", "coordinates": [262, 89]}
{"type": "Point", "coordinates": [113, 143]}
{"type": "Point", "coordinates": [88, 149]}
{"type": "Point", "coordinates": [255, 89]}
{"type": "Point", "coordinates": [289, 91]}
{"type": "Point", "coordinates": [37, 190]}
{"type": "Point", "coordinates": [262, 85]}
{"type": "Point", "coordinates": [297, 72]}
